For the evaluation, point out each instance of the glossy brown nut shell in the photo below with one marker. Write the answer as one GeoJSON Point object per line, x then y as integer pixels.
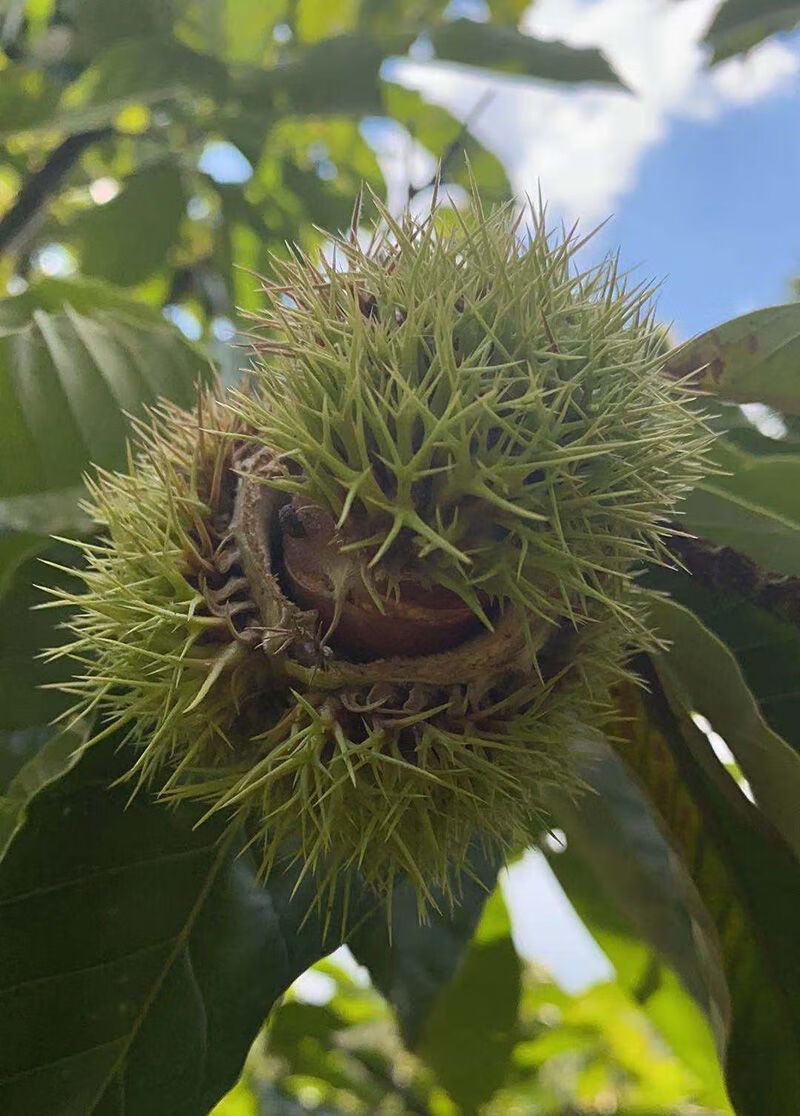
{"type": "Point", "coordinates": [414, 621]}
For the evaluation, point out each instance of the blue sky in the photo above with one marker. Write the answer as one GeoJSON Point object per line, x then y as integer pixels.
{"type": "Point", "coordinates": [715, 213]}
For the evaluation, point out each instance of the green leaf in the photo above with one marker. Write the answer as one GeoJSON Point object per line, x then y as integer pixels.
{"type": "Point", "coordinates": [612, 837]}
{"type": "Point", "coordinates": [507, 12]}
{"type": "Point", "coordinates": [678, 1019]}
{"type": "Point", "coordinates": [337, 75]}
{"type": "Point", "coordinates": [740, 24]}
{"type": "Point", "coordinates": [767, 479]}
{"type": "Point", "coordinates": [16, 748]}
{"type": "Point", "coordinates": [309, 1039]}
{"type": "Point", "coordinates": [685, 1029]}
{"type": "Point", "coordinates": [27, 98]}
{"type": "Point", "coordinates": [751, 359]}
{"type": "Point", "coordinates": [84, 296]}
{"type": "Point", "coordinates": [448, 140]}
{"type": "Point", "coordinates": [295, 1022]}
{"type": "Point", "coordinates": [130, 237]}
{"type": "Point", "coordinates": [26, 631]}
{"type": "Point", "coordinates": [510, 51]}
{"type": "Point", "coordinates": [101, 22]}
{"type": "Point", "coordinates": [414, 965]}
{"type": "Point", "coordinates": [47, 756]}
{"type": "Point", "coordinates": [320, 21]}
{"type": "Point", "coordinates": [724, 517]}
{"type": "Point", "coordinates": [749, 881]}
{"type": "Point", "coordinates": [621, 903]}
{"type": "Point", "coordinates": [36, 515]}
{"type": "Point", "coordinates": [385, 16]}
{"type": "Point", "coordinates": [168, 954]}
{"type": "Point", "coordinates": [74, 357]}
{"type": "Point", "coordinates": [38, 14]}
{"type": "Point", "coordinates": [15, 547]}
{"type": "Point", "coordinates": [757, 621]}
{"type": "Point", "coordinates": [143, 70]}
{"type": "Point", "coordinates": [634, 897]}
{"type": "Point", "coordinates": [736, 431]}
{"type": "Point", "coordinates": [469, 1035]}
{"type": "Point", "coordinates": [603, 1042]}
{"type": "Point", "coordinates": [248, 27]}
{"type": "Point", "coordinates": [700, 670]}
{"type": "Point", "coordinates": [301, 147]}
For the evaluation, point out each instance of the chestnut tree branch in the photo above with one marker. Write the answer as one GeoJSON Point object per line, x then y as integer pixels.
{"type": "Point", "coordinates": [43, 184]}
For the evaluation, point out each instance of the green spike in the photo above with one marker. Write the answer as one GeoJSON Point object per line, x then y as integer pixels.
{"type": "Point", "coordinates": [477, 417]}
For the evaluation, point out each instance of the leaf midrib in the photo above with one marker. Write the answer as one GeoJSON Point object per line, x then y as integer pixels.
{"type": "Point", "coordinates": [114, 869]}
{"type": "Point", "coordinates": [180, 943]}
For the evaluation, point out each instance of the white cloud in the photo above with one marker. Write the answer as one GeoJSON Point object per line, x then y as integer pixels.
{"type": "Point", "coordinates": [744, 80]}
{"type": "Point", "coordinates": [652, 44]}
{"type": "Point", "coordinates": [585, 144]}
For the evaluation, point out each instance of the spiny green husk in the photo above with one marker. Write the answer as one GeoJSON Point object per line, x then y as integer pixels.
{"type": "Point", "coordinates": [489, 411]}
{"type": "Point", "coordinates": [477, 417]}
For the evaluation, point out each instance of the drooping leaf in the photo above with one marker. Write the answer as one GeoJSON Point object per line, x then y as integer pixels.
{"type": "Point", "coordinates": [755, 618]}
{"type": "Point", "coordinates": [749, 881]}
{"type": "Point", "coordinates": [413, 967]}
{"type": "Point", "coordinates": [73, 358]}
{"type": "Point", "coordinates": [612, 836]}
{"type": "Point", "coordinates": [138, 955]}
{"type": "Point", "coordinates": [701, 669]}
{"type": "Point", "coordinates": [448, 140]}
{"type": "Point", "coordinates": [130, 237]}
{"type": "Point", "coordinates": [46, 756]}
{"type": "Point", "coordinates": [504, 48]}
{"type": "Point", "coordinates": [750, 359]}
{"type": "Point", "coordinates": [736, 430]}
{"type": "Point", "coordinates": [766, 478]}
{"type": "Point", "coordinates": [728, 519]}
{"type": "Point", "coordinates": [16, 748]}
{"type": "Point", "coordinates": [469, 1036]}
{"type": "Point", "coordinates": [599, 888]}
{"type": "Point", "coordinates": [740, 25]}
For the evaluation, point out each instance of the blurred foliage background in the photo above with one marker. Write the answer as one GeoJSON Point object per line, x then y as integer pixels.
{"type": "Point", "coordinates": [503, 1040]}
